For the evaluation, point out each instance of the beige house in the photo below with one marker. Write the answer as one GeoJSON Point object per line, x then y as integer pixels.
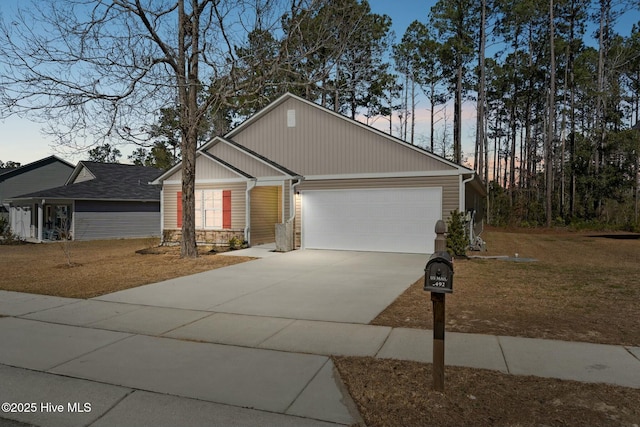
{"type": "Point", "coordinates": [323, 180]}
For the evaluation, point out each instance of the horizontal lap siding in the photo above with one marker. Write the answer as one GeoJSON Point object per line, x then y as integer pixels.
{"type": "Point", "coordinates": [206, 169]}
{"type": "Point", "coordinates": [112, 225]}
{"type": "Point", "coordinates": [323, 144]}
{"type": "Point", "coordinates": [112, 220]}
{"type": "Point", "coordinates": [242, 161]}
{"type": "Point", "coordinates": [238, 203]}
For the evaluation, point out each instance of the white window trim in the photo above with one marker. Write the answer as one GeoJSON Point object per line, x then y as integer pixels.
{"type": "Point", "coordinates": [217, 210]}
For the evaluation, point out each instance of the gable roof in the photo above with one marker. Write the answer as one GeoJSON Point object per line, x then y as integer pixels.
{"type": "Point", "coordinates": [257, 156]}
{"type": "Point", "coordinates": [203, 151]}
{"type": "Point", "coordinates": [226, 165]}
{"type": "Point", "coordinates": [5, 170]}
{"type": "Point", "coordinates": [278, 165]}
{"type": "Point", "coordinates": [112, 181]}
{"type": "Point", "coordinates": [10, 173]}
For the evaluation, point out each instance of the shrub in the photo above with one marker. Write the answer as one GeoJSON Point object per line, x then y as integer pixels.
{"type": "Point", "coordinates": [235, 243]}
{"type": "Point", "coordinates": [6, 236]}
{"type": "Point", "coordinates": [457, 235]}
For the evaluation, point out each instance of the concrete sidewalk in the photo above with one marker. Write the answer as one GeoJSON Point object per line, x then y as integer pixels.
{"type": "Point", "coordinates": [144, 365]}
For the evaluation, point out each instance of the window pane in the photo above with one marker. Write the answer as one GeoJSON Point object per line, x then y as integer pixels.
{"type": "Point", "coordinates": [212, 208]}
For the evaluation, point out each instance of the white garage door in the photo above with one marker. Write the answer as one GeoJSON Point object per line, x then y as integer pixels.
{"type": "Point", "coordinates": [383, 220]}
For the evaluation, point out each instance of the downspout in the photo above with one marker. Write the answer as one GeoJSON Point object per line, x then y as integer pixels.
{"type": "Point", "coordinates": [161, 215]}
{"type": "Point", "coordinates": [247, 211]}
{"type": "Point", "coordinates": [292, 201]}
{"type": "Point", "coordinates": [463, 191]}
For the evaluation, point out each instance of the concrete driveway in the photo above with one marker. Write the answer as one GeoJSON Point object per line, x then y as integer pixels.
{"type": "Point", "coordinates": [337, 286]}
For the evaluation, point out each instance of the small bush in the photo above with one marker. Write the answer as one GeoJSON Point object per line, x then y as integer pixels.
{"type": "Point", "coordinates": [235, 243]}
{"type": "Point", "coordinates": [457, 236]}
{"type": "Point", "coordinates": [6, 236]}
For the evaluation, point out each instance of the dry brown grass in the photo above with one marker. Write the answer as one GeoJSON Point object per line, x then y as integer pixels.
{"type": "Point", "coordinates": [582, 288]}
{"type": "Point", "coordinates": [98, 267]}
{"type": "Point", "coordinates": [399, 393]}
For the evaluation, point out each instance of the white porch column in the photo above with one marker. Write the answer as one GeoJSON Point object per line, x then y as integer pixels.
{"type": "Point", "coordinates": [40, 215]}
{"type": "Point", "coordinates": [12, 219]}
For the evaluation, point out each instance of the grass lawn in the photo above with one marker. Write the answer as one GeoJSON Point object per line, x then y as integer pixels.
{"type": "Point", "coordinates": [97, 267]}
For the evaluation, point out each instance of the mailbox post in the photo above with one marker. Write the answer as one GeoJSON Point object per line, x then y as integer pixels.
{"type": "Point", "coordinates": [438, 279]}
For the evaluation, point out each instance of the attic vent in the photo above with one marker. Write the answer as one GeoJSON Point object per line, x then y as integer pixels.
{"type": "Point", "coordinates": [291, 118]}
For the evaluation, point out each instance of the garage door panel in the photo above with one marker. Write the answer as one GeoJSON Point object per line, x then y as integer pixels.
{"type": "Point", "coordinates": [386, 220]}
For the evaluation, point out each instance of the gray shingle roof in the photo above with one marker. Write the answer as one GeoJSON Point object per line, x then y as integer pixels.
{"type": "Point", "coordinates": [6, 173]}
{"type": "Point", "coordinates": [112, 181]}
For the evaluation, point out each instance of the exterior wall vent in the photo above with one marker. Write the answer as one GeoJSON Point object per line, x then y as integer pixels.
{"type": "Point", "coordinates": [291, 118]}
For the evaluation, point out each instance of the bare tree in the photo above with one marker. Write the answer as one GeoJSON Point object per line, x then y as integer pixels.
{"type": "Point", "coordinates": [101, 70]}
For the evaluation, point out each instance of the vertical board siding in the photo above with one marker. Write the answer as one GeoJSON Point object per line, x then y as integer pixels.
{"type": "Point", "coordinates": [322, 144]}
{"type": "Point", "coordinates": [265, 214]}
{"type": "Point", "coordinates": [238, 205]}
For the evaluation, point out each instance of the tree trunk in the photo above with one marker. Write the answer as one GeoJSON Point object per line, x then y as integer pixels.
{"type": "Point", "coordinates": [457, 117]}
{"type": "Point", "coordinates": [550, 135]}
{"type": "Point", "coordinates": [413, 111]}
{"type": "Point", "coordinates": [432, 116]}
{"type": "Point", "coordinates": [188, 95]}
{"type": "Point", "coordinates": [480, 123]}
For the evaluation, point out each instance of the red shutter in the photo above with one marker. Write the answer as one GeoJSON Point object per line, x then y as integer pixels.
{"type": "Point", "coordinates": [179, 205]}
{"type": "Point", "coordinates": [226, 209]}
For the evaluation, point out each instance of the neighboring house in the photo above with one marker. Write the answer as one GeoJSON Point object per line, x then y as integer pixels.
{"type": "Point", "coordinates": [98, 201]}
{"type": "Point", "coordinates": [39, 175]}
{"type": "Point", "coordinates": [333, 182]}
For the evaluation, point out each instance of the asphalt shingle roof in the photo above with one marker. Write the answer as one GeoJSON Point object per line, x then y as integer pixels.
{"type": "Point", "coordinates": [112, 181]}
{"type": "Point", "coordinates": [6, 173]}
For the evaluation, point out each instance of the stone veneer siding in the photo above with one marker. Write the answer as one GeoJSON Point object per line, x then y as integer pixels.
{"type": "Point", "coordinates": [209, 237]}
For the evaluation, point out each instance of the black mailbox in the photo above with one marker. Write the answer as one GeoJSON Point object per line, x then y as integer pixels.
{"type": "Point", "coordinates": [438, 274]}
